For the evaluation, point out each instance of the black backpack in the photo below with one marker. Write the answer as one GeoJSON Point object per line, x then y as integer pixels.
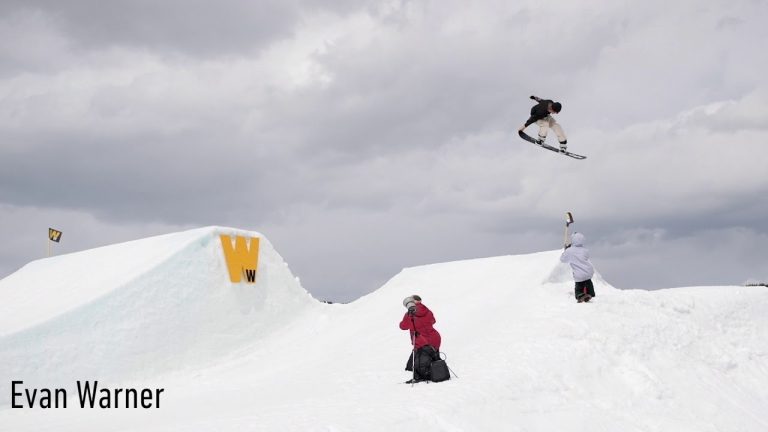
{"type": "Point", "coordinates": [429, 365]}
{"type": "Point", "coordinates": [439, 371]}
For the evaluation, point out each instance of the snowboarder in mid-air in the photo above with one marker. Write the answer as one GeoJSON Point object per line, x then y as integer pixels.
{"type": "Point", "coordinates": [541, 114]}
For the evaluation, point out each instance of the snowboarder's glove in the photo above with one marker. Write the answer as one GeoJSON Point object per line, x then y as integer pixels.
{"type": "Point", "coordinates": [535, 98]}
{"type": "Point", "coordinates": [411, 310]}
{"type": "Point", "coordinates": [567, 245]}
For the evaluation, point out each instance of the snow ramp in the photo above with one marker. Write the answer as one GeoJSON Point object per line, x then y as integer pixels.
{"type": "Point", "coordinates": [527, 356]}
{"type": "Point", "coordinates": [135, 309]}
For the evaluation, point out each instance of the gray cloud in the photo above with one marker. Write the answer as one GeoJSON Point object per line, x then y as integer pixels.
{"type": "Point", "coordinates": [649, 259]}
{"type": "Point", "coordinates": [189, 27]}
{"type": "Point", "coordinates": [362, 138]}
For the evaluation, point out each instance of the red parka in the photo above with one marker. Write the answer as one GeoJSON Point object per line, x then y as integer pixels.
{"type": "Point", "coordinates": [421, 322]}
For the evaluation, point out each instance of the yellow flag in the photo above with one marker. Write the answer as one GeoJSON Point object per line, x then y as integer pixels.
{"type": "Point", "coordinates": [54, 235]}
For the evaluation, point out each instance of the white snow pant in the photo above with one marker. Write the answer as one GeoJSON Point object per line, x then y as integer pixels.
{"type": "Point", "coordinates": [549, 122]}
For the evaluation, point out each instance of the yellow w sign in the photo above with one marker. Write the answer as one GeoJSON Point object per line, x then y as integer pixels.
{"type": "Point", "coordinates": [242, 258]}
{"type": "Point", "coordinates": [54, 235]}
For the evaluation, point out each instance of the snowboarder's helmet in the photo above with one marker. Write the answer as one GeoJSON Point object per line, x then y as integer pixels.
{"type": "Point", "coordinates": [556, 107]}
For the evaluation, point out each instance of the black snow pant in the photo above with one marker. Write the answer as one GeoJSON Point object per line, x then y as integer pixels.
{"type": "Point", "coordinates": [584, 288]}
{"type": "Point", "coordinates": [424, 358]}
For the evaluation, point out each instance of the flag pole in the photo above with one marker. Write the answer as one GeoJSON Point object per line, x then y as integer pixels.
{"type": "Point", "coordinates": [568, 221]}
{"type": "Point", "coordinates": [53, 235]}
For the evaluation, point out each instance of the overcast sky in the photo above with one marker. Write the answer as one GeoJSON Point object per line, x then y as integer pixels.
{"type": "Point", "coordinates": [361, 137]}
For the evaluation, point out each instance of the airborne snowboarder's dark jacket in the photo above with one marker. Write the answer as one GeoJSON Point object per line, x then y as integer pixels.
{"type": "Point", "coordinates": [539, 111]}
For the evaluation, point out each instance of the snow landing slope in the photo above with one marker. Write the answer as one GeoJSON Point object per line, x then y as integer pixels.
{"type": "Point", "coordinates": [132, 310]}
{"type": "Point", "coordinates": [528, 358]}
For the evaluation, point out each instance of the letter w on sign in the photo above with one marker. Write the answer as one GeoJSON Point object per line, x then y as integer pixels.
{"type": "Point", "coordinates": [54, 235]}
{"type": "Point", "coordinates": [242, 258]}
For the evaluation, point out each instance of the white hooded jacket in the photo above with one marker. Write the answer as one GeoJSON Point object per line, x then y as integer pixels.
{"type": "Point", "coordinates": [578, 257]}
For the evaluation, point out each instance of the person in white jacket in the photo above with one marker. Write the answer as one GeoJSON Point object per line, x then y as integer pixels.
{"type": "Point", "coordinates": [577, 256]}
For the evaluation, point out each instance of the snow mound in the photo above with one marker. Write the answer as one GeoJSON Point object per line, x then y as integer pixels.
{"type": "Point", "coordinates": [528, 357]}
{"type": "Point", "coordinates": [139, 308]}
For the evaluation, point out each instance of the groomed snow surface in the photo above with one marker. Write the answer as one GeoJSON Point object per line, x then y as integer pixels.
{"type": "Point", "coordinates": [162, 313]}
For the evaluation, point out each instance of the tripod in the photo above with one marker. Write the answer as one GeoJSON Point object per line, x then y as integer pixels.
{"type": "Point", "coordinates": [413, 350]}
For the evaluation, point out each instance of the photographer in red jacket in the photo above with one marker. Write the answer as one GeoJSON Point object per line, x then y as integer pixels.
{"type": "Point", "coordinates": [419, 320]}
{"type": "Point", "coordinates": [424, 338]}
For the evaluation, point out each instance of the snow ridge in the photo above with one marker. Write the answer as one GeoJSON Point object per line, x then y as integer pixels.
{"type": "Point", "coordinates": [135, 309]}
{"type": "Point", "coordinates": [269, 357]}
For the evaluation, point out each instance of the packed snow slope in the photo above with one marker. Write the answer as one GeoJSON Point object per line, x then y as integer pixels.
{"type": "Point", "coordinates": [132, 310]}
{"type": "Point", "coordinates": [527, 356]}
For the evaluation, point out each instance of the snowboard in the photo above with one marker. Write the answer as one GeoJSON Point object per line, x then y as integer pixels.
{"type": "Point", "coordinates": [526, 137]}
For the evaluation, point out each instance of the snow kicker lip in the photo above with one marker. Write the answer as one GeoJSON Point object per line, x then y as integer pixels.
{"type": "Point", "coordinates": [173, 306]}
